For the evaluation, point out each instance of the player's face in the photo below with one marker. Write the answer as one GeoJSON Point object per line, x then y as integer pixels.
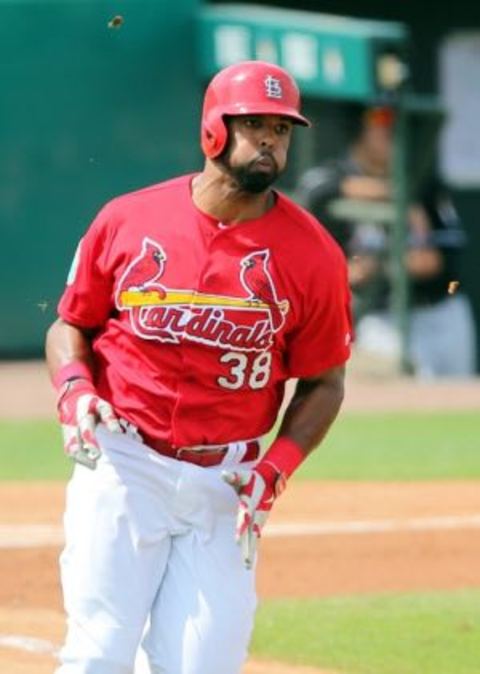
{"type": "Point", "coordinates": [257, 150]}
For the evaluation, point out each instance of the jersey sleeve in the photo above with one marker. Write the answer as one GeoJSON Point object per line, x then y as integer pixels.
{"type": "Point", "coordinates": [323, 339]}
{"type": "Point", "coordinates": [88, 298]}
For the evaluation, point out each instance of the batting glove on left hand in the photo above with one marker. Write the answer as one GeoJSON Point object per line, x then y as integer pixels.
{"type": "Point", "coordinates": [257, 490]}
{"type": "Point", "coordinates": [80, 409]}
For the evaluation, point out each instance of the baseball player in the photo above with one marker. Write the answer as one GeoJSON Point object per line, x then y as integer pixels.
{"type": "Point", "coordinates": [188, 306]}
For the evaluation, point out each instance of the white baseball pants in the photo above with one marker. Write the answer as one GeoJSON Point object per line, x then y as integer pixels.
{"type": "Point", "coordinates": [150, 558]}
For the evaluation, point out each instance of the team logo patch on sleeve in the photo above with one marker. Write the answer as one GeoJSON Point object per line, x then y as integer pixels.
{"type": "Point", "coordinates": [245, 323]}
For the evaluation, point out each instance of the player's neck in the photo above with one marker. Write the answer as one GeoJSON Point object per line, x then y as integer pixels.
{"type": "Point", "coordinates": [215, 193]}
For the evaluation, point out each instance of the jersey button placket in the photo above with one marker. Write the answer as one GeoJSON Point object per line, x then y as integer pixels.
{"type": "Point", "coordinates": [187, 376]}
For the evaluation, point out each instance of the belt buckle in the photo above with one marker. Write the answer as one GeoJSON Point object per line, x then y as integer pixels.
{"type": "Point", "coordinates": [207, 449]}
{"type": "Point", "coordinates": [197, 455]}
{"type": "Point", "coordinates": [179, 451]}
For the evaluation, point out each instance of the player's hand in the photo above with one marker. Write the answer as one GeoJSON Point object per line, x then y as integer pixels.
{"type": "Point", "coordinates": [257, 490]}
{"type": "Point", "coordinates": [80, 410]}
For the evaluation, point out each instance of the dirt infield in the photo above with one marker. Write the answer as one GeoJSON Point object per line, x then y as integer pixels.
{"type": "Point", "coordinates": [375, 537]}
{"type": "Point", "coordinates": [323, 538]}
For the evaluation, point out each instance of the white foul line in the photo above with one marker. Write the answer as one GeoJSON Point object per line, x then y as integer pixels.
{"type": "Point", "coordinates": [373, 526]}
{"type": "Point", "coordinates": [28, 644]}
{"type": "Point", "coordinates": [40, 535]}
{"type": "Point", "coordinates": [30, 535]}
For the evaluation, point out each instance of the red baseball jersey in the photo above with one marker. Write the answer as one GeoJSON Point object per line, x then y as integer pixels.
{"type": "Point", "coordinates": [200, 324]}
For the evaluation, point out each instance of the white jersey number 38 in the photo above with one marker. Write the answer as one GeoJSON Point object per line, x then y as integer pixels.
{"type": "Point", "coordinates": [243, 370]}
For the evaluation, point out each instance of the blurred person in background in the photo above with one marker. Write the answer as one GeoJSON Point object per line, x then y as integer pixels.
{"type": "Point", "coordinates": [441, 326]}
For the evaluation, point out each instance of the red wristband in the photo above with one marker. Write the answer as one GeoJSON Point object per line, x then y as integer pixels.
{"type": "Point", "coordinates": [285, 455]}
{"type": "Point", "coordinates": [75, 370]}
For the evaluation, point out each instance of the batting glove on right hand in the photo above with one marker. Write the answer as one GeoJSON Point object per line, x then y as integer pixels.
{"type": "Point", "coordinates": [80, 409]}
{"type": "Point", "coordinates": [257, 490]}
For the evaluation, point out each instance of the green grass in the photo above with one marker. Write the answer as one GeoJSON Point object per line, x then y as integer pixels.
{"type": "Point", "coordinates": [398, 446]}
{"type": "Point", "coordinates": [32, 450]}
{"type": "Point", "coordinates": [383, 634]}
{"type": "Point", "coordinates": [393, 446]}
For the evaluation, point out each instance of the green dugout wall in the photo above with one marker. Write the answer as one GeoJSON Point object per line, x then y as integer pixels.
{"type": "Point", "coordinates": [94, 107]}
{"type": "Point", "coordinates": [86, 112]}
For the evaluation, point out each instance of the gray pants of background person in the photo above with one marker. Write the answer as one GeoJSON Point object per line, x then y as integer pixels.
{"type": "Point", "coordinates": [442, 338]}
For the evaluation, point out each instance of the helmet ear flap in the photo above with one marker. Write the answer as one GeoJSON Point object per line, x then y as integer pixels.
{"type": "Point", "coordinates": [214, 136]}
{"type": "Point", "coordinates": [208, 140]}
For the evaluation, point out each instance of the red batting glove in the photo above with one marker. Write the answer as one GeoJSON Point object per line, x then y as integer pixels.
{"type": "Point", "coordinates": [79, 410]}
{"type": "Point", "coordinates": [257, 490]}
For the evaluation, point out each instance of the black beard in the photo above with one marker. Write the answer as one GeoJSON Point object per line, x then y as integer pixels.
{"type": "Point", "coordinates": [248, 179]}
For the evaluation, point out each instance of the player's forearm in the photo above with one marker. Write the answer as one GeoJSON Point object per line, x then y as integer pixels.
{"type": "Point", "coordinates": [66, 344]}
{"type": "Point", "coordinates": [313, 409]}
{"type": "Point", "coordinates": [365, 187]}
{"type": "Point", "coordinates": [306, 422]}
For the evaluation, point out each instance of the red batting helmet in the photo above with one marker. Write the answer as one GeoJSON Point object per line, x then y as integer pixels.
{"type": "Point", "coordinates": [247, 88]}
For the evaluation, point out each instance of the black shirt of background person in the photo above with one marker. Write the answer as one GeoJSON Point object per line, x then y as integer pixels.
{"type": "Point", "coordinates": [321, 185]}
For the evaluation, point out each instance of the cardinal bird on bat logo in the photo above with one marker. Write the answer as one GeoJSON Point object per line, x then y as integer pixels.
{"type": "Point", "coordinates": [145, 269]}
{"type": "Point", "coordinates": [257, 281]}
{"type": "Point", "coordinates": [245, 321]}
